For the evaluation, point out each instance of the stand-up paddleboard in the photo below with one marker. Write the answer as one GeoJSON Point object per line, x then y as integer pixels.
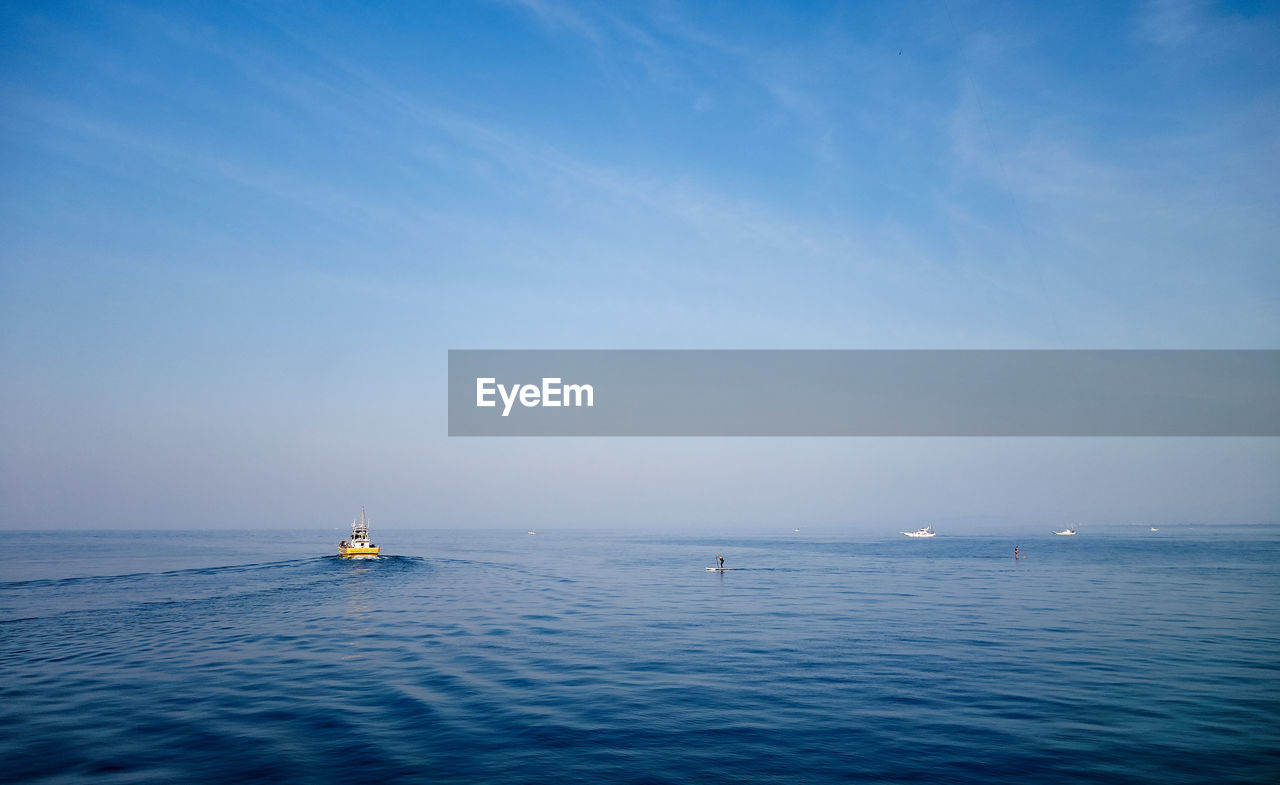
{"type": "Point", "coordinates": [720, 569]}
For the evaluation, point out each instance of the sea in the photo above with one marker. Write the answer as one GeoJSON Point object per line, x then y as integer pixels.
{"type": "Point", "coordinates": [1116, 656]}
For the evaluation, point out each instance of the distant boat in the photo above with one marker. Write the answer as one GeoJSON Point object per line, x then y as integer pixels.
{"type": "Point", "coordinates": [795, 530]}
{"type": "Point", "coordinates": [925, 532]}
{"type": "Point", "coordinates": [358, 546]}
{"type": "Point", "coordinates": [531, 531]}
{"type": "Point", "coordinates": [1154, 529]}
{"type": "Point", "coordinates": [1066, 533]}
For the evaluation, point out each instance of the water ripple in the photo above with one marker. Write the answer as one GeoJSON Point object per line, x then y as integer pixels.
{"type": "Point", "coordinates": [623, 660]}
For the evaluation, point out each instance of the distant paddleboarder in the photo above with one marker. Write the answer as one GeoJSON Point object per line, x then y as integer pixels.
{"type": "Point", "coordinates": [721, 558]}
{"type": "Point", "coordinates": [1015, 552]}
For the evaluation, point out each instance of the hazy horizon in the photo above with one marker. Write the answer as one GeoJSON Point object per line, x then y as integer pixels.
{"type": "Point", "coordinates": [867, 530]}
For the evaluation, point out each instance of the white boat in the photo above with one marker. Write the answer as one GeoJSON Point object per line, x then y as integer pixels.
{"type": "Point", "coordinates": [358, 547]}
{"type": "Point", "coordinates": [531, 531]}
{"type": "Point", "coordinates": [925, 532]}
{"type": "Point", "coordinates": [1154, 529]}
{"type": "Point", "coordinates": [1066, 533]}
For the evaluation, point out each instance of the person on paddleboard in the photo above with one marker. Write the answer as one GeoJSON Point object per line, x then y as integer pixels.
{"type": "Point", "coordinates": [721, 558]}
{"type": "Point", "coordinates": [1015, 552]}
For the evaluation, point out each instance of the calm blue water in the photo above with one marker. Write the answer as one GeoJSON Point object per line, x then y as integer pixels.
{"type": "Point", "coordinates": [506, 658]}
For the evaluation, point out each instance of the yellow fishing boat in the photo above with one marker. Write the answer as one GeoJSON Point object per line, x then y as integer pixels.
{"type": "Point", "coordinates": [358, 546]}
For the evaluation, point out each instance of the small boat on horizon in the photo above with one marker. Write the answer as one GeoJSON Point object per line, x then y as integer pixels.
{"type": "Point", "coordinates": [531, 531]}
{"type": "Point", "coordinates": [925, 532]}
{"type": "Point", "coordinates": [358, 546]}
{"type": "Point", "coordinates": [1154, 529]}
{"type": "Point", "coordinates": [1068, 532]}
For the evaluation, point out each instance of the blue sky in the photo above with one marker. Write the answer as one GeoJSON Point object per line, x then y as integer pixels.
{"type": "Point", "coordinates": [237, 240]}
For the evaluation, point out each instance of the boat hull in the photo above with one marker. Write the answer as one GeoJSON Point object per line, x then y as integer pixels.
{"type": "Point", "coordinates": [348, 553]}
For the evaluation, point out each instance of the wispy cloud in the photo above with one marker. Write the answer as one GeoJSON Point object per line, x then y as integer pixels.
{"type": "Point", "coordinates": [560, 16]}
{"type": "Point", "coordinates": [682, 55]}
{"type": "Point", "coordinates": [600, 197]}
{"type": "Point", "coordinates": [1175, 218]}
{"type": "Point", "coordinates": [1170, 22]}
